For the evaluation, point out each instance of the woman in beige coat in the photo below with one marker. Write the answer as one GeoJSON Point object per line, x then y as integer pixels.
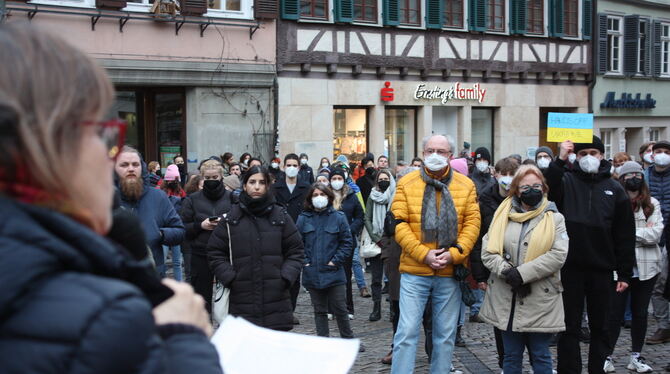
{"type": "Point", "coordinates": [525, 249]}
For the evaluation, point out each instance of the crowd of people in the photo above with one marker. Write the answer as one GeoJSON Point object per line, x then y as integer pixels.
{"type": "Point", "coordinates": [532, 247]}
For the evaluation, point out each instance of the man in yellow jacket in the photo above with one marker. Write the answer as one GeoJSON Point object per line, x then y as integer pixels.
{"type": "Point", "coordinates": [438, 225]}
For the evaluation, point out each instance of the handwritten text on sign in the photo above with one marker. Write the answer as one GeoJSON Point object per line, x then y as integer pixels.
{"type": "Point", "coordinates": [577, 127]}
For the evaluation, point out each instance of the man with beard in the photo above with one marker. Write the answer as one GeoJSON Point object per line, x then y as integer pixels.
{"type": "Point", "coordinates": [160, 222]}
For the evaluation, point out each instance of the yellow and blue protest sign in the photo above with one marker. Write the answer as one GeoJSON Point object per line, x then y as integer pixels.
{"type": "Point", "coordinates": [576, 127]}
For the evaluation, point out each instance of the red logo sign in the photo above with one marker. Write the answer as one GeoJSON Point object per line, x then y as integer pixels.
{"type": "Point", "coordinates": [387, 92]}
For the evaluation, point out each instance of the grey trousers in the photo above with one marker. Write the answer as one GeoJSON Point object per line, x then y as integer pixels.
{"type": "Point", "coordinates": [660, 304]}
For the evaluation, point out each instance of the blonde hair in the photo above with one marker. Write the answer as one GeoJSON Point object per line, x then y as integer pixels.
{"type": "Point", "coordinates": [211, 165]}
{"type": "Point", "coordinates": [48, 88]}
{"type": "Point", "coordinates": [521, 173]}
{"type": "Point", "coordinates": [152, 165]}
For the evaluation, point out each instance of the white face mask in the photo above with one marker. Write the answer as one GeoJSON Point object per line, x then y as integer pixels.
{"type": "Point", "coordinates": [320, 202]}
{"type": "Point", "coordinates": [543, 162]}
{"type": "Point", "coordinates": [325, 164]}
{"type": "Point", "coordinates": [291, 171]}
{"type": "Point", "coordinates": [274, 165]}
{"type": "Point", "coordinates": [505, 182]}
{"type": "Point", "coordinates": [617, 170]}
{"type": "Point", "coordinates": [572, 157]}
{"type": "Point", "coordinates": [662, 159]}
{"type": "Point", "coordinates": [482, 166]}
{"type": "Point", "coordinates": [589, 164]}
{"type": "Point", "coordinates": [647, 158]}
{"type": "Point", "coordinates": [337, 185]}
{"type": "Point", "coordinates": [435, 162]}
{"type": "Point", "coordinates": [325, 183]}
{"type": "Point", "coordinates": [303, 161]}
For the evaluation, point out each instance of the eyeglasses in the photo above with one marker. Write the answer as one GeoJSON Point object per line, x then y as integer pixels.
{"type": "Point", "coordinates": [527, 188]}
{"type": "Point", "coordinates": [633, 175]}
{"type": "Point", "coordinates": [112, 133]}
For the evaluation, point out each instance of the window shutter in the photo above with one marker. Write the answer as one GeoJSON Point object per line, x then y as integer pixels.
{"type": "Point", "coordinates": [601, 67]}
{"type": "Point", "coordinates": [587, 19]}
{"type": "Point", "coordinates": [193, 7]}
{"type": "Point", "coordinates": [656, 50]}
{"type": "Point", "coordinates": [519, 16]}
{"type": "Point", "coordinates": [290, 9]}
{"type": "Point", "coordinates": [631, 34]}
{"type": "Point", "coordinates": [344, 11]}
{"type": "Point", "coordinates": [434, 14]}
{"type": "Point", "coordinates": [391, 12]}
{"type": "Point", "coordinates": [266, 9]}
{"type": "Point", "coordinates": [649, 48]}
{"type": "Point", "coordinates": [110, 4]}
{"type": "Point", "coordinates": [477, 15]}
{"type": "Point", "coordinates": [556, 18]}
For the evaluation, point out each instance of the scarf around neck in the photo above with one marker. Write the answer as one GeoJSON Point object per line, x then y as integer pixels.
{"type": "Point", "coordinates": [438, 226]}
{"type": "Point", "coordinates": [258, 207]}
{"type": "Point", "coordinates": [381, 205]}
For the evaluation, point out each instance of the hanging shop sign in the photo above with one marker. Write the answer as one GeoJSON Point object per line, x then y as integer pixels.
{"type": "Point", "coordinates": [457, 92]}
{"type": "Point", "coordinates": [627, 101]}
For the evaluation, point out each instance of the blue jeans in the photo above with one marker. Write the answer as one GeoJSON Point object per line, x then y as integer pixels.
{"type": "Point", "coordinates": [358, 269]}
{"type": "Point", "coordinates": [479, 294]}
{"type": "Point", "coordinates": [446, 302]}
{"type": "Point", "coordinates": [176, 260]}
{"type": "Point", "coordinates": [538, 344]}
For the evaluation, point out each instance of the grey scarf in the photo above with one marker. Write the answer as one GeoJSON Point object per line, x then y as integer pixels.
{"type": "Point", "coordinates": [443, 227]}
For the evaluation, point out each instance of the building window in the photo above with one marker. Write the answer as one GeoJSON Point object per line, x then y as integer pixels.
{"type": "Point", "coordinates": [453, 13]}
{"type": "Point", "coordinates": [535, 12]}
{"type": "Point", "coordinates": [496, 20]}
{"type": "Point", "coordinates": [654, 135]}
{"type": "Point", "coordinates": [350, 136]}
{"type": "Point", "coordinates": [399, 135]}
{"type": "Point", "coordinates": [606, 137]}
{"type": "Point", "coordinates": [227, 5]}
{"type": "Point", "coordinates": [614, 41]}
{"type": "Point", "coordinates": [570, 18]}
{"type": "Point", "coordinates": [482, 128]}
{"type": "Point", "coordinates": [315, 9]}
{"type": "Point", "coordinates": [642, 46]}
{"type": "Point", "coordinates": [665, 46]}
{"type": "Point", "coordinates": [365, 11]}
{"type": "Point", "coordinates": [409, 12]}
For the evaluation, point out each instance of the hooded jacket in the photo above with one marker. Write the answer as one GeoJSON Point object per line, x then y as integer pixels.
{"type": "Point", "coordinates": [66, 308]}
{"type": "Point", "coordinates": [598, 217]}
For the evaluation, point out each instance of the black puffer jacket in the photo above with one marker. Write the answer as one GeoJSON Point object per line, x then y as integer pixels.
{"type": "Point", "coordinates": [489, 201]}
{"type": "Point", "coordinates": [267, 259]}
{"type": "Point", "coordinates": [598, 218]}
{"type": "Point", "coordinates": [197, 208]}
{"type": "Point", "coordinates": [66, 308]}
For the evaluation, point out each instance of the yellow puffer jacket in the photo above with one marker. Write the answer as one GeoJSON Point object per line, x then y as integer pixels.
{"type": "Point", "coordinates": [407, 207]}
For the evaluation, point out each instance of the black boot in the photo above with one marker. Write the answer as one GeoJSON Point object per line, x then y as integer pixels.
{"type": "Point", "coordinates": [459, 339]}
{"type": "Point", "coordinates": [376, 314]}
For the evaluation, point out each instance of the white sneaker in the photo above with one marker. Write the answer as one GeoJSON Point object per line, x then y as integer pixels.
{"type": "Point", "coordinates": [454, 371]}
{"type": "Point", "coordinates": [638, 365]}
{"type": "Point", "coordinates": [351, 316]}
{"type": "Point", "coordinates": [609, 365]}
{"type": "Point", "coordinates": [330, 317]}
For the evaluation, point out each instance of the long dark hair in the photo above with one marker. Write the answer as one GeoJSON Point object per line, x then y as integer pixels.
{"type": "Point", "coordinates": [643, 199]}
{"type": "Point", "coordinates": [244, 155]}
{"type": "Point", "coordinates": [258, 170]}
{"type": "Point", "coordinates": [321, 187]}
{"type": "Point", "coordinates": [171, 191]}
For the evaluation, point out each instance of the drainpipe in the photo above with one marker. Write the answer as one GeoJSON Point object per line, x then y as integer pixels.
{"type": "Point", "coordinates": [594, 50]}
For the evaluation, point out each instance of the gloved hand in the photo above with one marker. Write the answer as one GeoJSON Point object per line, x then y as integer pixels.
{"type": "Point", "coordinates": [512, 277]}
{"type": "Point", "coordinates": [522, 291]}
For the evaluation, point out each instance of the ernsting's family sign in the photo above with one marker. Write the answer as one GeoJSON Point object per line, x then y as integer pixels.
{"type": "Point", "coordinates": [455, 92]}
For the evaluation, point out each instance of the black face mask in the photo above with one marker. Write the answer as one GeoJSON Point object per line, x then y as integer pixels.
{"type": "Point", "coordinates": [532, 197]}
{"type": "Point", "coordinates": [370, 171]}
{"type": "Point", "coordinates": [384, 185]}
{"type": "Point", "coordinates": [211, 184]}
{"type": "Point", "coordinates": [633, 184]}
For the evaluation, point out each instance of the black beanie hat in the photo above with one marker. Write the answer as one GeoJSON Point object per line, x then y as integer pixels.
{"type": "Point", "coordinates": [484, 153]}
{"type": "Point", "coordinates": [337, 171]}
{"type": "Point", "coordinates": [596, 143]}
{"type": "Point", "coordinates": [662, 144]}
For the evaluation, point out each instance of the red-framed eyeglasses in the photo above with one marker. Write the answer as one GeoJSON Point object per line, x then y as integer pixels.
{"type": "Point", "coordinates": [113, 134]}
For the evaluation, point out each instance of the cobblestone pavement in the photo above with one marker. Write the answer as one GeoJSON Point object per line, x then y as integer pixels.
{"type": "Point", "coordinates": [478, 357]}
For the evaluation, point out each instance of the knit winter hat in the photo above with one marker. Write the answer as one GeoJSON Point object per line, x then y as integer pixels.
{"type": "Point", "coordinates": [630, 167]}
{"type": "Point", "coordinates": [232, 182]}
{"type": "Point", "coordinates": [544, 149]}
{"type": "Point", "coordinates": [172, 173]}
{"type": "Point", "coordinates": [596, 143]}
{"type": "Point", "coordinates": [336, 171]}
{"type": "Point", "coordinates": [662, 144]}
{"type": "Point", "coordinates": [483, 153]}
{"type": "Point", "coordinates": [460, 165]}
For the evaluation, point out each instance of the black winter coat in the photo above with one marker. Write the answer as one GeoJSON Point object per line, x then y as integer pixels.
{"type": "Point", "coordinates": [197, 208]}
{"type": "Point", "coordinates": [353, 209]}
{"type": "Point", "coordinates": [598, 217]}
{"type": "Point", "coordinates": [489, 201]}
{"type": "Point", "coordinates": [659, 187]}
{"type": "Point", "coordinates": [306, 174]}
{"type": "Point", "coordinates": [365, 183]}
{"type": "Point", "coordinates": [65, 307]}
{"type": "Point", "coordinates": [293, 202]}
{"type": "Point", "coordinates": [267, 258]}
{"type": "Point", "coordinates": [482, 180]}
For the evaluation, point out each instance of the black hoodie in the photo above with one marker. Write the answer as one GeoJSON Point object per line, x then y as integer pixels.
{"type": "Point", "coordinates": [598, 217]}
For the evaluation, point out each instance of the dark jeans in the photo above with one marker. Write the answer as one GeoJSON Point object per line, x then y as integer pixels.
{"type": "Point", "coordinates": [427, 324]}
{"type": "Point", "coordinates": [640, 295]}
{"type": "Point", "coordinates": [202, 279]}
{"type": "Point", "coordinates": [377, 269]}
{"type": "Point", "coordinates": [295, 291]}
{"type": "Point", "coordinates": [597, 287]}
{"type": "Point", "coordinates": [186, 254]}
{"type": "Point", "coordinates": [500, 347]}
{"type": "Point", "coordinates": [332, 298]}
{"type": "Point", "coordinates": [348, 263]}
{"type": "Point", "coordinates": [538, 350]}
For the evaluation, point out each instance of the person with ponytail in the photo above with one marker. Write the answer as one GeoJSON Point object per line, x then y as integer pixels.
{"type": "Point", "coordinates": [524, 249]}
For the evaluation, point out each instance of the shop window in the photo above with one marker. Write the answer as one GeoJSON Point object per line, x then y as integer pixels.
{"type": "Point", "coordinates": [535, 13]}
{"type": "Point", "coordinates": [496, 13]}
{"type": "Point", "coordinates": [665, 47]}
{"type": "Point", "coordinates": [399, 134]}
{"type": "Point", "coordinates": [365, 11]}
{"type": "Point", "coordinates": [482, 128]}
{"type": "Point", "coordinates": [410, 11]}
{"type": "Point", "coordinates": [315, 9]}
{"type": "Point", "coordinates": [453, 13]}
{"type": "Point", "coordinates": [350, 135]}
{"type": "Point", "coordinates": [606, 137]}
{"type": "Point", "coordinates": [614, 44]}
{"type": "Point", "coordinates": [570, 18]}
{"type": "Point", "coordinates": [126, 107]}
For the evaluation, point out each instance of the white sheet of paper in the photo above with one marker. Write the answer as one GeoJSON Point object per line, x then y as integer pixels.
{"type": "Point", "coordinates": [246, 348]}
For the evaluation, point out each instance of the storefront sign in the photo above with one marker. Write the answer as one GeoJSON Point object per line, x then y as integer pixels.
{"type": "Point", "coordinates": [628, 102]}
{"type": "Point", "coordinates": [387, 92]}
{"type": "Point", "coordinates": [577, 127]}
{"type": "Point", "coordinates": [455, 92]}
